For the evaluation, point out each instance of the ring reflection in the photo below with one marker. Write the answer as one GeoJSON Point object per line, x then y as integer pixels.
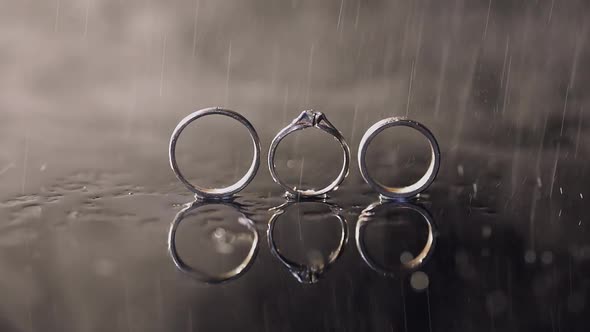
{"type": "Point", "coordinates": [223, 241]}
{"type": "Point", "coordinates": [308, 212]}
{"type": "Point", "coordinates": [397, 214]}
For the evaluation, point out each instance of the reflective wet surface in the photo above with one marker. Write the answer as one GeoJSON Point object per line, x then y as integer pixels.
{"type": "Point", "coordinates": [91, 91]}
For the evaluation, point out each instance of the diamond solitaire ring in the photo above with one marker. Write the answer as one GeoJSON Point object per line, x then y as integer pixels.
{"type": "Point", "coordinates": [308, 119]}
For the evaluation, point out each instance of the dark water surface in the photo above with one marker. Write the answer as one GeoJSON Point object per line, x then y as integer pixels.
{"type": "Point", "coordinates": [91, 91]}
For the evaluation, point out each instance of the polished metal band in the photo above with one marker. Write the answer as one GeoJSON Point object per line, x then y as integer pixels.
{"type": "Point", "coordinates": [413, 189]}
{"type": "Point", "coordinates": [208, 193]}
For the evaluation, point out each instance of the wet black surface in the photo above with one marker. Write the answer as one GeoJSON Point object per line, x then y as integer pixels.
{"type": "Point", "coordinates": [87, 197]}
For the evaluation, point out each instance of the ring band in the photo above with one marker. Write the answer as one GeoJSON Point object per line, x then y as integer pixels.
{"type": "Point", "coordinates": [302, 273]}
{"type": "Point", "coordinates": [368, 215]}
{"type": "Point", "coordinates": [200, 275]}
{"type": "Point", "coordinates": [208, 193]}
{"type": "Point", "coordinates": [305, 120]}
{"type": "Point", "coordinates": [399, 192]}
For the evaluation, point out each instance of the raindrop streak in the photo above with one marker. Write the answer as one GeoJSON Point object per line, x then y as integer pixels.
{"type": "Point", "coordinates": [340, 16]}
{"type": "Point", "coordinates": [86, 14]}
{"type": "Point", "coordinates": [551, 11]}
{"type": "Point", "coordinates": [6, 168]}
{"type": "Point", "coordinates": [226, 100]}
{"type": "Point", "coordinates": [554, 170]}
{"type": "Point", "coordinates": [540, 151]}
{"type": "Point", "coordinates": [506, 49]}
{"type": "Point", "coordinates": [25, 163]}
{"type": "Point", "coordinates": [358, 12]}
{"type": "Point", "coordinates": [354, 117]}
{"type": "Point", "coordinates": [506, 92]}
{"type": "Point", "coordinates": [197, 5]}
{"type": "Point", "coordinates": [485, 30]}
{"type": "Point", "coordinates": [441, 79]}
{"type": "Point", "coordinates": [410, 89]}
{"type": "Point", "coordinates": [301, 172]}
{"type": "Point", "coordinates": [571, 83]}
{"type": "Point", "coordinates": [162, 65]}
{"type": "Point", "coordinates": [56, 22]}
{"type": "Point", "coordinates": [567, 92]}
{"type": "Point", "coordinates": [532, 216]}
{"type": "Point", "coordinates": [309, 67]}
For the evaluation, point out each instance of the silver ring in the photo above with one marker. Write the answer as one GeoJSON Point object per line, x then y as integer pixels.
{"type": "Point", "coordinates": [208, 193]}
{"type": "Point", "coordinates": [305, 120]}
{"type": "Point", "coordinates": [202, 276]}
{"type": "Point", "coordinates": [368, 215]}
{"type": "Point", "coordinates": [413, 189]}
{"type": "Point", "coordinates": [303, 273]}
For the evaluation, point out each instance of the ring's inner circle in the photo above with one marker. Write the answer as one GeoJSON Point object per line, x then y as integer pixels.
{"type": "Point", "coordinates": [214, 239]}
{"type": "Point", "coordinates": [400, 159]}
{"type": "Point", "coordinates": [308, 234]}
{"type": "Point", "coordinates": [397, 238]}
{"type": "Point", "coordinates": [214, 152]}
{"type": "Point", "coordinates": [308, 159]}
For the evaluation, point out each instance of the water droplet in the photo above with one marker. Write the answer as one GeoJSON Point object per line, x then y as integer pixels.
{"type": "Point", "coordinates": [419, 281]}
{"type": "Point", "coordinates": [406, 257]}
{"type": "Point", "coordinates": [530, 256]}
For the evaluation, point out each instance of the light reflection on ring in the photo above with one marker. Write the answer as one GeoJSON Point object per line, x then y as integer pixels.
{"type": "Point", "coordinates": [303, 273]}
{"type": "Point", "coordinates": [367, 217]}
{"type": "Point", "coordinates": [233, 274]}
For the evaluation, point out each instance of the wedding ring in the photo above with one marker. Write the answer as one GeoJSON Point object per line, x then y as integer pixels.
{"type": "Point", "coordinates": [198, 274]}
{"type": "Point", "coordinates": [305, 120]}
{"type": "Point", "coordinates": [368, 216]}
{"type": "Point", "coordinates": [399, 192]}
{"type": "Point", "coordinates": [306, 274]}
{"type": "Point", "coordinates": [212, 193]}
